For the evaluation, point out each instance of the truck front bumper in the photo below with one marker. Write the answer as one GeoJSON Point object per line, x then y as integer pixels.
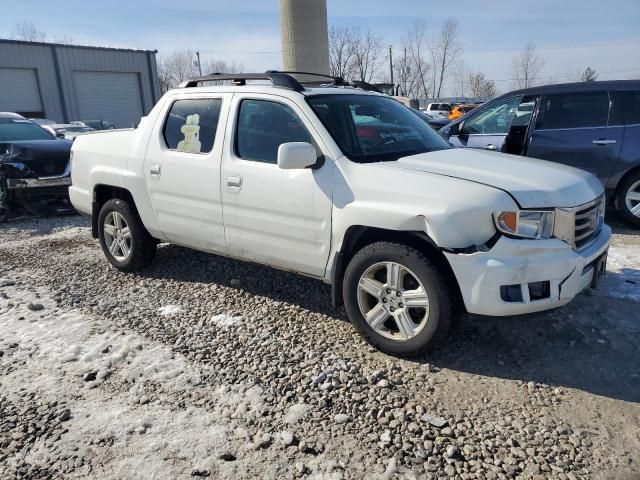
{"type": "Point", "coordinates": [525, 276]}
{"type": "Point", "coordinates": [45, 182]}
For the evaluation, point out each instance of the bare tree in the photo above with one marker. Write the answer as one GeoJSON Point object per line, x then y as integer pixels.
{"type": "Point", "coordinates": [402, 74]}
{"type": "Point", "coordinates": [416, 47]}
{"type": "Point", "coordinates": [220, 66]}
{"type": "Point", "coordinates": [180, 65]}
{"type": "Point", "coordinates": [176, 67]}
{"type": "Point", "coordinates": [64, 39]}
{"type": "Point", "coordinates": [28, 32]}
{"type": "Point", "coordinates": [445, 49]}
{"type": "Point", "coordinates": [526, 67]}
{"type": "Point", "coordinates": [589, 75]}
{"type": "Point", "coordinates": [461, 78]}
{"type": "Point", "coordinates": [367, 54]}
{"type": "Point", "coordinates": [480, 87]}
{"type": "Point", "coordinates": [341, 52]}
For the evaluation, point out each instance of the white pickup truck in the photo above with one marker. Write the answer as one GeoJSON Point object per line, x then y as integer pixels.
{"type": "Point", "coordinates": [349, 187]}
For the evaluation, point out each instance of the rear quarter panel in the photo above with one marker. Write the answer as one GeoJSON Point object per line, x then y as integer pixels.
{"type": "Point", "coordinates": [629, 156]}
{"type": "Point", "coordinates": [112, 158]}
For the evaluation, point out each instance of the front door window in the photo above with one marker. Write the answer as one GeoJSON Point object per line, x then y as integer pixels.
{"type": "Point", "coordinates": [495, 119]}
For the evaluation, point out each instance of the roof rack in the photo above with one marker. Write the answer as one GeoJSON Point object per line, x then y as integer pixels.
{"type": "Point", "coordinates": [278, 78]}
{"type": "Point", "coordinates": [337, 81]}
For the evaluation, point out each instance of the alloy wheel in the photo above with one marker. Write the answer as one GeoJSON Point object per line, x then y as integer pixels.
{"type": "Point", "coordinates": [632, 199]}
{"type": "Point", "coordinates": [117, 236]}
{"type": "Point", "coordinates": [393, 301]}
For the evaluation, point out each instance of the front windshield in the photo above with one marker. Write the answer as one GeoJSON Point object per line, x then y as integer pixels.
{"type": "Point", "coordinates": [17, 129]}
{"type": "Point", "coordinates": [372, 128]}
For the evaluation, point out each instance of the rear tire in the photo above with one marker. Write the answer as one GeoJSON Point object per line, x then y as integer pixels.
{"type": "Point", "coordinates": [405, 316]}
{"type": "Point", "coordinates": [123, 238]}
{"type": "Point", "coordinates": [628, 200]}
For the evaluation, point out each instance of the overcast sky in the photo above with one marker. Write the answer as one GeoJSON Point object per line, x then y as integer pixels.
{"type": "Point", "coordinates": [570, 34]}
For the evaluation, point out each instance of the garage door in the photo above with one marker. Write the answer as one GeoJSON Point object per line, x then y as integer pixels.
{"type": "Point", "coordinates": [19, 91]}
{"type": "Point", "coordinates": [110, 96]}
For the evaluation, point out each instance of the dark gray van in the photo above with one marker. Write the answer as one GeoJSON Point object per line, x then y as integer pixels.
{"type": "Point", "coordinates": [594, 126]}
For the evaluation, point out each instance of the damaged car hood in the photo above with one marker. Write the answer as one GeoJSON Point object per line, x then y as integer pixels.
{"type": "Point", "coordinates": [39, 158]}
{"type": "Point", "coordinates": [34, 149]}
{"type": "Point", "coordinates": [531, 182]}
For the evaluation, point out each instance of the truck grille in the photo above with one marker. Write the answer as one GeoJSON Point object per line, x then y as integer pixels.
{"type": "Point", "coordinates": [578, 226]}
{"type": "Point", "coordinates": [587, 223]}
{"type": "Point", "coordinates": [53, 167]}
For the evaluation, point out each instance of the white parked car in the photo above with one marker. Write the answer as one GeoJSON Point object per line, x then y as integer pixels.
{"type": "Point", "coordinates": [351, 188]}
{"type": "Point", "coordinates": [443, 109]}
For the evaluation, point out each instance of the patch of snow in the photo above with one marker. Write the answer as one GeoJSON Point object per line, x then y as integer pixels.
{"type": "Point", "coordinates": [623, 272]}
{"type": "Point", "coordinates": [225, 320]}
{"type": "Point", "coordinates": [145, 437]}
{"type": "Point", "coordinates": [170, 310]}
{"type": "Point", "coordinates": [296, 413]}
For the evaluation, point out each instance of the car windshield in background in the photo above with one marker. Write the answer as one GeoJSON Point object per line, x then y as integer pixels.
{"type": "Point", "coordinates": [16, 129]}
{"type": "Point", "coordinates": [75, 129]}
{"type": "Point", "coordinates": [371, 128]}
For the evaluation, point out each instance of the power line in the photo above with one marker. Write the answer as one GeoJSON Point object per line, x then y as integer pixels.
{"type": "Point", "coordinates": [565, 76]}
{"type": "Point", "coordinates": [240, 51]}
{"type": "Point", "coordinates": [568, 47]}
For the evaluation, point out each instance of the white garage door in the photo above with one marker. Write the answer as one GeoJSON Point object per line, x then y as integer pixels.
{"type": "Point", "coordinates": [110, 96]}
{"type": "Point", "coordinates": [19, 91]}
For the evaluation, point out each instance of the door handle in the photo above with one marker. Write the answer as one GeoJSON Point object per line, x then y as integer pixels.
{"type": "Point", "coordinates": [234, 181]}
{"type": "Point", "coordinates": [155, 170]}
{"type": "Point", "coordinates": [603, 141]}
{"type": "Point", "coordinates": [490, 147]}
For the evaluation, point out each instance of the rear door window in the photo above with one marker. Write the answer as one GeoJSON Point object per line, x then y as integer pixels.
{"type": "Point", "coordinates": [627, 107]}
{"type": "Point", "coordinates": [574, 110]}
{"type": "Point", "coordinates": [191, 125]}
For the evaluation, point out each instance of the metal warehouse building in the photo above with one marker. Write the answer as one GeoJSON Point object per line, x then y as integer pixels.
{"type": "Point", "coordinates": [71, 82]}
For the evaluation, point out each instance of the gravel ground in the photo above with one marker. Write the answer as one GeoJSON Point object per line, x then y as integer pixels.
{"type": "Point", "coordinates": [207, 367]}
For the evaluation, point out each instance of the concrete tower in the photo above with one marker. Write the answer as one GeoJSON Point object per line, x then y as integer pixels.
{"type": "Point", "coordinates": [305, 41]}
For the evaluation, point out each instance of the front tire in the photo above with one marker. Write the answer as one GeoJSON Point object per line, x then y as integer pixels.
{"type": "Point", "coordinates": [397, 299]}
{"type": "Point", "coordinates": [123, 238]}
{"type": "Point", "coordinates": [628, 200]}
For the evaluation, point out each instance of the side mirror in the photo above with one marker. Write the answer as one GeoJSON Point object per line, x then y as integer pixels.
{"type": "Point", "coordinates": [296, 155]}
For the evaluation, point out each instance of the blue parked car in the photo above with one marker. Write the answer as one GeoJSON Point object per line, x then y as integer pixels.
{"type": "Point", "coordinates": [594, 126]}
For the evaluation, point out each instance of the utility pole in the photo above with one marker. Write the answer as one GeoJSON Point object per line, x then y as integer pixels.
{"type": "Point", "coordinates": [391, 63]}
{"type": "Point", "coordinates": [199, 64]}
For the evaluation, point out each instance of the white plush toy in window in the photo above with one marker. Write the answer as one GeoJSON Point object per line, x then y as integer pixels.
{"type": "Point", "coordinates": [191, 132]}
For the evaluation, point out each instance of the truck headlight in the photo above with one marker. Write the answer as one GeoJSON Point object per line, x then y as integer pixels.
{"type": "Point", "coordinates": [525, 223]}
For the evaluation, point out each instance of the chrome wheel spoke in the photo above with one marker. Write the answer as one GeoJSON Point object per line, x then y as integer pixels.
{"type": "Point", "coordinates": [415, 298]}
{"type": "Point", "coordinates": [406, 327]}
{"type": "Point", "coordinates": [124, 248]}
{"type": "Point", "coordinates": [109, 229]}
{"type": "Point", "coordinates": [394, 275]}
{"type": "Point", "coordinates": [633, 196]}
{"type": "Point", "coordinates": [126, 233]}
{"type": "Point", "coordinates": [117, 220]}
{"type": "Point", "coordinates": [636, 210]}
{"type": "Point", "coordinates": [113, 248]}
{"type": "Point", "coordinates": [377, 316]}
{"type": "Point", "coordinates": [371, 286]}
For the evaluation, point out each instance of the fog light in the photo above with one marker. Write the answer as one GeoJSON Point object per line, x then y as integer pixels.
{"type": "Point", "coordinates": [511, 293]}
{"type": "Point", "coordinates": [539, 290]}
